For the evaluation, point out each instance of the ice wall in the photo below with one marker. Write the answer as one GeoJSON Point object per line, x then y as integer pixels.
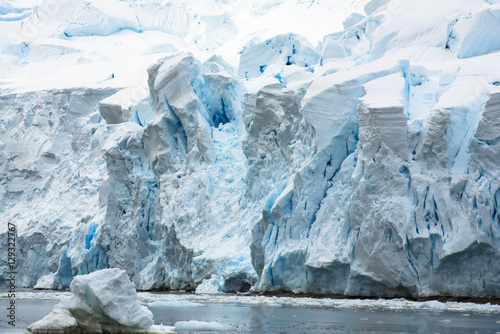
{"type": "Point", "coordinates": [367, 165]}
{"type": "Point", "coordinates": [52, 167]}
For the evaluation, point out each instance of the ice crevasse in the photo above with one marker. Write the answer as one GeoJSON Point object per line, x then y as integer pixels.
{"type": "Point", "coordinates": [367, 165]}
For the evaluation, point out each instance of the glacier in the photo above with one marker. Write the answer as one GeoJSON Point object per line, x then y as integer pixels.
{"type": "Point", "coordinates": [347, 148]}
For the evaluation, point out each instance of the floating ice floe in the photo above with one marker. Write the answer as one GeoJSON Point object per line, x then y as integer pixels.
{"type": "Point", "coordinates": [102, 302]}
{"type": "Point", "coordinates": [193, 325]}
{"type": "Point", "coordinates": [398, 304]}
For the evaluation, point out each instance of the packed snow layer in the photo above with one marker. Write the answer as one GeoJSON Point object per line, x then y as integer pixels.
{"type": "Point", "coordinates": [365, 165]}
{"type": "Point", "coordinates": [103, 301]}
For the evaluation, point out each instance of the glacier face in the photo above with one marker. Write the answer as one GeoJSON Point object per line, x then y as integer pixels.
{"type": "Point", "coordinates": [368, 165]}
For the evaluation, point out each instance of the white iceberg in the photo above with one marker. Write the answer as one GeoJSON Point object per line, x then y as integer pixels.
{"type": "Point", "coordinates": [102, 302]}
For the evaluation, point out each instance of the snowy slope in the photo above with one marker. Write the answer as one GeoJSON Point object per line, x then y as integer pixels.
{"type": "Point", "coordinates": [347, 147]}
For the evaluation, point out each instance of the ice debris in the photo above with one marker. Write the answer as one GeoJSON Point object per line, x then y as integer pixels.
{"type": "Point", "coordinates": [104, 301]}
{"type": "Point", "coordinates": [286, 49]}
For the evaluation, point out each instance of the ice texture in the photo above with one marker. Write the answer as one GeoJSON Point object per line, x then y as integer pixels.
{"type": "Point", "coordinates": [198, 154]}
{"type": "Point", "coordinates": [126, 104]}
{"type": "Point", "coordinates": [287, 49]}
{"type": "Point", "coordinates": [103, 301]}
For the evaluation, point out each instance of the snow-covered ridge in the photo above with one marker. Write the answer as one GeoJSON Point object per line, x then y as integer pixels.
{"type": "Point", "coordinates": [358, 157]}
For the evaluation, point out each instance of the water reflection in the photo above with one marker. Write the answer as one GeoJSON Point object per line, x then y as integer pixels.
{"type": "Point", "coordinates": [295, 320]}
{"type": "Point", "coordinates": [258, 318]}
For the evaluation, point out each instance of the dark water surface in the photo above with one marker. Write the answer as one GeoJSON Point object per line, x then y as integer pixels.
{"type": "Point", "coordinates": [284, 319]}
{"type": "Point", "coordinates": [262, 319]}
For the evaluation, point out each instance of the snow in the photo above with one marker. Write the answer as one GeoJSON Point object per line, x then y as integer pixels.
{"type": "Point", "coordinates": [286, 49]}
{"type": "Point", "coordinates": [352, 19]}
{"type": "Point", "coordinates": [345, 147]}
{"type": "Point", "coordinates": [102, 301]}
{"type": "Point", "coordinates": [373, 5]}
{"type": "Point", "coordinates": [469, 39]}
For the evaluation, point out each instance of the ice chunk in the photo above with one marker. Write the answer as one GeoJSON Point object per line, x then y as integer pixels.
{"type": "Point", "coordinates": [108, 294]}
{"type": "Point", "coordinates": [472, 34]}
{"type": "Point", "coordinates": [332, 49]}
{"type": "Point", "coordinates": [432, 305]}
{"type": "Point", "coordinates": [171, 83]}
{"type": "Point", "coordinates": [284, 49]}
{"type": "Point", "coordinates": [104, 301]}
{"type": "Point", "coordinates": [122, 105]}
{"type": "Point", "coordinates": [373, 5]}
{"type": "Point", "coordinates": [173, 303]}
{"type": "Point", "coordinates": [193, 325]}
{"type": "Point", "coordinates": [100, 18]}
{"type": "Point", "coordinates": [211, 285]}
{"type": "Point", "coordinates": [331, 100]}
{"type": "Point", "coordinates": [46, 282]}
{"type": "Point", "coordinates": [60, 320]}
{"type": "Point", "coordinates": [381, 115]}
{"type": "Point", "coordinates": [485, 144]}
{"type": "Point", "coordinates": [216, 64]}
{"type": "Point", "coordinates": [352, 19]}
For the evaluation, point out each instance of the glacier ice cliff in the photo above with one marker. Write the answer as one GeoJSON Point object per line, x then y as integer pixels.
{"type": "Point", "coordinates": [367, 165]}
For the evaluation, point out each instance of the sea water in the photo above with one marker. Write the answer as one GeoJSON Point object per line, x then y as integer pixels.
{"type": "Point", "coordinates": [277, 315]}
